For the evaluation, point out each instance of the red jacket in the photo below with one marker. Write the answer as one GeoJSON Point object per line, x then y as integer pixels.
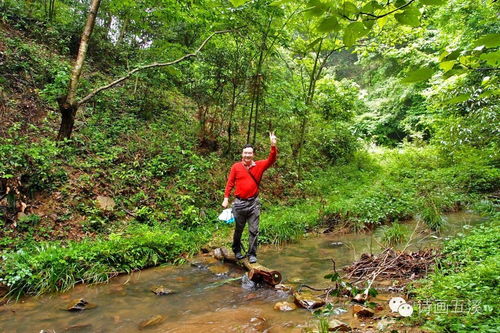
{"type": "Point", "coordinates": [245, 185]}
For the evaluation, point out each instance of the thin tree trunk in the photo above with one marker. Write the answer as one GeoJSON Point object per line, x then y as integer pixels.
{"type": "Point", "coordinates": [256, 85]}
{"type": "Point", "coordinates": [69, 106]}
{"type": "Point", "coordinates": [231, 112]}
{"type": "Point", "coordinates": [309, 99]}
{"type": "Point", "coordinates": [123, 30]}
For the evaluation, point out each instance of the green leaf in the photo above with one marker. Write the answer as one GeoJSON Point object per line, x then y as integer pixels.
{"type": "Point", "coordinates": [382, 21]}
{"type": "Point", "coordinates": [328, 24]}
{"type": "Point", "coordinates": [433, 2]}
{"type": "Point", "coordinates": [316, 41]}
{"type": "Point", "coordinates": [352, 32]}
{"type": "Point", "coordinates": [410, 17]}
{"type": "Point", "coordinates": [447, 65]}
{"type": "Point", "coordinates": [489, 40]}
{"type": "Point", "coordinates": [447, 56]}
{"type": "Point", "coordinates": [421, 74]}
{"type": "Point", "coordinates": [279, 2]}
{"type": "Point", "coordinates": [489, 93]}
{"type": "Point", "coordinates": [371, 6]}
{"type": "Point", "coordinates": [315, 8]}
{"type": "Point", "coordinates": [400, 3]}
{"type": "Point", "coordinates": [458, 99]}
{"type": "Point", "coordinates": [237, 3]}
{"type": "Point", "coordinates": [492, 58]}
{"type": "Point", "coordinates": [349, 8]}
{"type": "Point", "coordinates": [369, 24]}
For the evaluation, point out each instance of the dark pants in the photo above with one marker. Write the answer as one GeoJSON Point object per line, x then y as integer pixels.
{"type": "Point", "coordinates": [246, 211]}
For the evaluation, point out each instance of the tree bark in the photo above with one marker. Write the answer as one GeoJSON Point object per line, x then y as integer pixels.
{"type": "Point", "coordinates": [69, 107]}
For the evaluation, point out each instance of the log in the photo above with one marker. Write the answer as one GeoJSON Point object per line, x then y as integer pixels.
{"type": "Point", "coordinates": [256, 272]}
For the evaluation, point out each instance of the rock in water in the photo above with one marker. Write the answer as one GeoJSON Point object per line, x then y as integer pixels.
{"type": "Point", "coordinates": [155, 320]}
{"type": "Point", "coordinates": [162, 291]}
{"type": "Point", "coordinates": [307, 300]}
{"type": "Point", "coordinates": [284, 306]}
{"type": "Point", "coordinates": [246, 283]}
{"type": "Point", "coordinates": [79, 305]}
{"type": "Point", "coordinates": [286, 288]}
{"type": "Point", "coordinates": [338, 326]}
{"type": "Point", "coordinates": [362, 311]}
{"type": "Point", "coordinates": [79, 327]}
{"type": "Point", "coordinates": [219, 270]}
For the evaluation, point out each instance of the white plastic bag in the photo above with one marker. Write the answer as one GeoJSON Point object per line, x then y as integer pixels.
{"type": "Point", "coordinates": [227, 215]}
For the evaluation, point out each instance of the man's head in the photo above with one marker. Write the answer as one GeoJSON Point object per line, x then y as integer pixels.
{"type": "Point", "coordinates": [247, 154]}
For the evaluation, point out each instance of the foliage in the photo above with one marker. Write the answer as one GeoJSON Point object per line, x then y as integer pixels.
{"type": "Point", "coordinates": [394, 234]}
{"type": "Point", "coordinates": [468, 274]}
{"type": "Point", "coordinates": [57, 266]}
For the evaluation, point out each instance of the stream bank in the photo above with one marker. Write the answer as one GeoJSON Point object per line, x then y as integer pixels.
{"type": "Point", "coordinates": [201, 300]}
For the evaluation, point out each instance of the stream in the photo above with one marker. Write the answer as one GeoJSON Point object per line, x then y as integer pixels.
{"type": "Point", "coordinates": [202, 302]}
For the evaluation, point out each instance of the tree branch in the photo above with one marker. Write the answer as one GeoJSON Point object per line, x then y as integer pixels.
{"type": "Point", "coordinates": [152, 65]}
{"type": "Point", "coordinates": [376, 17]}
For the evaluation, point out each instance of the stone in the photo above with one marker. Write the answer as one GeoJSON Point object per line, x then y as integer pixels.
{"type": "Point", "coordinates": [258, 324]}
{"type": "Point", "coordinates": [362, 311]}
{"type": "Point", "coordinates": [219, 270]}
{"type": "Point", "coordinates": [360, 298]}
{"type": "Point", "coordinates": [383, 324]}
{"type": "Point", "coordinates": [162, 291]}
{"type": "Point", "coordinates": [307, 300]}
{"type": "Point", "coordinates": [284, 287]}
{"type": "Point", "coordinates": [105, 203]}
{"type": "Point", "coordinates": [338, 326]}
{"type": "Point", "coordinates": [79, 305]}
{"type": "Point", "coordinates": [78, 327]}
{"type": "Point", "coordinates": [155, 320]}
{"type": "Point", "coordinates": [285, 306]}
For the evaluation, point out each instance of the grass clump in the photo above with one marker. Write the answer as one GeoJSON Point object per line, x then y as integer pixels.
{"type": "Point", "coordinates": [466, 276]}
{"type": "Point", "coordinates": [394, 234]}
{"type": "Point", "coordinates": [55, 266]}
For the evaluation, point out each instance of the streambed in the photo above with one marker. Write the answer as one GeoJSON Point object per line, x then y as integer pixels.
{"type": "Point", "coordinates": [201, 303]}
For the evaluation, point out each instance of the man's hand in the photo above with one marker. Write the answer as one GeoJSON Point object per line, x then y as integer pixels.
{"type": "Point", "coordinates": [225, 203]}
{"type": "Point", "coordinates": [272, 137]}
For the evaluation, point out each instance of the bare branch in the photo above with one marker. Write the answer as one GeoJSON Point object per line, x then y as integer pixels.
{"type": "Point", "coordinates": [152, 65]}
{"type": "Point", "coordinates": [376, 17]}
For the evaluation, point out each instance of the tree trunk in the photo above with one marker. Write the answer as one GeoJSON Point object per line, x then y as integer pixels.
{"type": "Point", "coordinates": [70, 105]}
{"type": "Point", "coordinates": [257, 82]}
{"type": "Point", "coordinates": [309, 99]}
{"type": "Point", "coordinates": [68, 113]}
{"type": "Point", "coordinates": [231, 112]}
{"type": "Point", "coordinates": [123, 30]}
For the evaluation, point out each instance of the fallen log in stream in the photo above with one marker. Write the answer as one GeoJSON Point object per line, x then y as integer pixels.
{"type": "Point", "coordinates": [256, 272]}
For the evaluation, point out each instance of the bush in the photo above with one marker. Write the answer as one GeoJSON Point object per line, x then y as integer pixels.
{"type": "Point", "coordinates": [468, 274]}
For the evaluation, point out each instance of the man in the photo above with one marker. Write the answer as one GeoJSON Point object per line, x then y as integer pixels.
{"type": "Point", "coordinates": [246, 176]}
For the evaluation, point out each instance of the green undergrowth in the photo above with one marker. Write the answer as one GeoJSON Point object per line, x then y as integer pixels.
{"type": "Point", "coordinates": [380, 188]}
{"type": "Point", "coordinates": [466, 280]}
{"type": "Point", "coordinates": [57, 266]}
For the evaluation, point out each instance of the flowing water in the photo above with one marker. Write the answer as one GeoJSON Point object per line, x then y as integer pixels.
{"type": "Point", "coordinates": [208, 296]}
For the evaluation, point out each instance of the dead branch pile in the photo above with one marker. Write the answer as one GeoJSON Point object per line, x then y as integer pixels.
{"type": "Point", "coordinates": [392, 265]}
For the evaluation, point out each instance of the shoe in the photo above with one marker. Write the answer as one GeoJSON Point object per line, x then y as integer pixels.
{"type": "Point", "coordinates": [252, 259]}
{"type": "Point", "coordinates": [239, 256]}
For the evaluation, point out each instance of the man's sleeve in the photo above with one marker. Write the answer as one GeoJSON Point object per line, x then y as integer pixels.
{"type": "Point", "coordinates": [271, 158]}
{"type": "Point", "coordinates": [230, 182]}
